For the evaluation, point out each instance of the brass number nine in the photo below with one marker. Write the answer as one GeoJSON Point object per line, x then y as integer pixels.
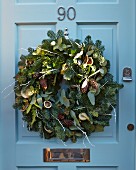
{"type": "Point", "coordinates": [62, 13]}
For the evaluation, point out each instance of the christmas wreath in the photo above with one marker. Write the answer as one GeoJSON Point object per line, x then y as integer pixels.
{"type": "Point", "coordinates": [64, 88]}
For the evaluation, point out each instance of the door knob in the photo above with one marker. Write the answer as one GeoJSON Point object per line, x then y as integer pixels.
{"type": "Point", "coordinates": [130, 127]}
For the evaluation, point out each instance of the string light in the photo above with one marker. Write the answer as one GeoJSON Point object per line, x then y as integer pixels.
{"type": "Point", "coordinates": [58, 121]}
{"type": "Point", "coordinates": [86, 137]}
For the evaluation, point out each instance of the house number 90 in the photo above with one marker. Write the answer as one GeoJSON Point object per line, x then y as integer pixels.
{"type": "Point", "coordinates": [70, 13]}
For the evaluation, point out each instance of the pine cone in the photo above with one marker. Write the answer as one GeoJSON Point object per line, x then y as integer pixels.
{"type": "Point", "coordinates": [94, 84]}
{"type": "Point", "coordinates": [67, 122]}
{"type": "Point", "coordinates": [29, 62]}
{"type": "Point", "coordinates": [43, 83]}
{"type": "Point", "coordinates": [60, 116]}
{"type": "Point", "coordinates": [84, 86]}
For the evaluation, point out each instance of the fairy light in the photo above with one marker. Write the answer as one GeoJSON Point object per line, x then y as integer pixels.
{"type": "Point", "coordinates": [47, 51]}
{"type": "Point", "coordinates": [63, 143]}
{"type": "Point", "coordinates": [58, 121]}
{"type": "Point", "coordinates": [8, 86]}
{"type": "Point", "coordinates": [86, 137]}
{"type": "Point", "coordinates": [23, 123]}
{"type": "Point", "coordinates": [26, 84]}
{"type": "Point", "coordinates": [8, 94]}
{"type": "Point", "coordinates": [84, 142]}
{"type": "Point", "coordinates": [110, 114]}
{"type": "Point", "coordinates": [94, 73]}
{"type": "Point", "coordinates": [114, 110]}
{"type": "Point", "coordinates": [104, 84]}
{"type": "Point", "coordinates": [23, 49]}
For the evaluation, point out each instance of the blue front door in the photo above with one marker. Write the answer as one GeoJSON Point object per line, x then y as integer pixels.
{"type": "Point", "coordinates": [24, 23]}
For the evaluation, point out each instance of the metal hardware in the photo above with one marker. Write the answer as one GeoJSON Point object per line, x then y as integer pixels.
{"type": "Point", "coordinates": [130, 127]}
{"type": "Point", "coordinates": [66, 155]}
{"type": "Point", "coordinates": [70, 13]}
{"type": "Point", "coordinates": [127, 74]}
{"type": "Point", "coordinates": [74, 13]}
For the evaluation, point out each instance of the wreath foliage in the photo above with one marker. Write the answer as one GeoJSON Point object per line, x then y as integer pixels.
{"type": "Point", "coordinates": [64, 87]}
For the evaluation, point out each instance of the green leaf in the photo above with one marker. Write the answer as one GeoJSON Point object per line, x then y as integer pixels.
{"type": "Point", "coordinates": [88, 40]}
{"type": "Point", "coordinates": [55, 47]}
{"type": "Point", "coordinates": [99, 128]}
{"type": "Point", "coordinates": [91, 97]}
{"type": "Point", "coordinates": [39, 101]}
{"type": "Point", "coordinates": [33, 117]}
{"type": "Point", "coordinates": [94, 113]}
{"type": "Point", "coordinates": [73, 115]}
{"type": "Point", "coordinates": [64, 46]}
{"type": "Point", "coordinates": [90, 52]}
{"type": "Point", "coordinates": [51, 34]}
{"type": "Point", "coordinates": [38, 106]}
{"type": "Point", "coordinates": [68, 74]}
{"type": "Point", "coordinates": [63, 99]}
{"type": "Point", "coordinates": [46, 94]}
{"type": "Point", "coordinates": [46, 114]}
{"type": "Point", "coordinates": [73, 51]}
{"type": "Point", "coordinates": [78, 134]}
{"type": "Point", "coordinates": [29, 108]}
{"type": "Point", "coordinates": [60, 33]}
{"type": "Point", "coordinates": [73, 128]}
{"type": "Point", "coordinates": [59, 41]}
{"type": "Point", "coordinates": [33, 101]}
{"type": "Point", "coordinates": [66, 102]}
{"type": "Point", "coordinates": [102, 71]}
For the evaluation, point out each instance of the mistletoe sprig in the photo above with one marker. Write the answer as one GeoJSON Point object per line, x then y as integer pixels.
{"type": "Point", "coordinates": [64, 87]}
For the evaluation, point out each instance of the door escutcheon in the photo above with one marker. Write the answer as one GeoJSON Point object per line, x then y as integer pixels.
{"type": "Point", "coordinates": [127, 74]}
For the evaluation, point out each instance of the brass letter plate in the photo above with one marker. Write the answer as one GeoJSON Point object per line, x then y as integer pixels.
{"type": "Point", "coordinates": [66, 155]}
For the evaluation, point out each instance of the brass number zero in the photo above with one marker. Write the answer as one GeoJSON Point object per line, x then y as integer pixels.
{"type": "Point", "coordinates": [71, 13]}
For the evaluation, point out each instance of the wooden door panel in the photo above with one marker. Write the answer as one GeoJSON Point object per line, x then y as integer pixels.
{"type": "Point", "coordinates": [35, 1]}
{"type": "Point", "coordinates": [98, 1]}
{"type": "Point", "coordinates": [38, 168]}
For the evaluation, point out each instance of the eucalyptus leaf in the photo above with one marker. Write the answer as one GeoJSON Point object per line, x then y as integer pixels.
{"type": "Point", "coordinates": [59, 41]}
{"type": "Point", "coordinates": [38, 106]}
{"type": "Point", "coordinates": [90, 52]}
{"type": "Point", "coordinates": [102, 71]}
{"type": "Point", "coordinates": [40, 102]}
{"type": "Point", "coordinates": [63, 98]}
{"type": "Point", "coordinates": [33, 101]}
{"type": "Point", "coordinates": [33, 117]}
{"type": "Point", "coordinates": [91, 97]}
{"type": "Point", "coordinates": [66, 102]}
{"type": "Point", "coordinates": [29, 108]}
{"type": "Point", "coordinates": [64, 46]}
{"type": "Point", "coordinates": [95, 114]}
{"type": "Point", "coordinates": [73, 128]}
{"type": "Point", "coordinates": [78, 134]}
{"type": "Point", "coordinates": [55, 47]}
{"type": "Point", "coordinates": [73, 115]}
{"type": "Point", "coordinates": [99, 128]}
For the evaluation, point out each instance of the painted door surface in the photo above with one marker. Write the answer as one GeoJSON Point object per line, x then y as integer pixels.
{"type": "Point", "coordinates": [24, 23]}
